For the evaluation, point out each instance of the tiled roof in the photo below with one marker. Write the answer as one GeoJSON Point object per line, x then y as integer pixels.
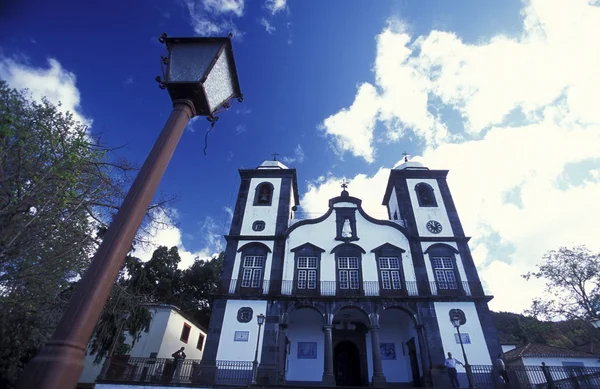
{"type": "Point", "coordinates": [542, 350]}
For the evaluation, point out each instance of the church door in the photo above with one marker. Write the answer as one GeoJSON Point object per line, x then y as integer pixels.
{"type": "Point", "coordinates": [414, 362]}
{"type": "Point", "coordinates": [346, 359]}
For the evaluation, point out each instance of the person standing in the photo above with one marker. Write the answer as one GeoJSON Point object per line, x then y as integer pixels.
{"type": "Point", "coordinates": [451, 366]}
{"type": "Point", "coordinates": [501, 367]}
{"type": "Point", "coordinates": [178, 356]}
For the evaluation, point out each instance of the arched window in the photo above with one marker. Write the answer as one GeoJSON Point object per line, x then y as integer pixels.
{"type": "Point", "coordinates": [445, 272]}
{"type": "Point", "coordinates": [425, 195]}
{"type": "Point", "coordinates": [253, 260]}
{"type": "Point", "coordinates": [264, 194]}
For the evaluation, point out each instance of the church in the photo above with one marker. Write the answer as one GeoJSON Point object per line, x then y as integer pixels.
{"type": "Point", "coordinates": [345, 299]}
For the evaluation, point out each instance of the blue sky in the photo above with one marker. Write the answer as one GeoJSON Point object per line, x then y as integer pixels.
{"type": "Point", "coordinates": [502, 93]}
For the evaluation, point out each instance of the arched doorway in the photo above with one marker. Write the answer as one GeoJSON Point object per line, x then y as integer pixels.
{"type": "Point", "coordinates": [304, 347]}
{"type": "Point", "coordinates": [346, 364]}
{"type": "Point", "coordinates": [400, 349]}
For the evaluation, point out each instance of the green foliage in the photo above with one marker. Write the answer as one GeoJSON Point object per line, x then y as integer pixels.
{"type": "Point", "coordinates": [518, 329]}
{"type": "Point", "coordinates": [59, 187]}
{"type": "Point", "coordinates": [158, 281]}
{"type": "Point", "coordinates": [572, 290]}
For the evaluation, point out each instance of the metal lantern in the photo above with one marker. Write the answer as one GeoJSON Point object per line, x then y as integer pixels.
{"type": "Point", "coordinates": [260, 319]}
{"type": "Point", "coordinates": [203, 71]}
{"type": "Point", "coordinates": [456, 320]}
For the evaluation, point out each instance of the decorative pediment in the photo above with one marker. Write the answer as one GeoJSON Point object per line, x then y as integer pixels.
{"type": "Point", "coordinates": [388, 247]}
{"type": "Point", "coordinates": [440, 248]}
{"type": "Point", "coordinates": [347, 246]}
{"type": "Point", "coordinates": [254, 245]}
{"type": "Point", "coordinates": [307, 247]}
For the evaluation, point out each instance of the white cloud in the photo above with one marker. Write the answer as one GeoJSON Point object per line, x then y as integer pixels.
{"type": "Point", "coordinates": [275, 6]}
{"type": "Point", "coordinates": [240, 129]}
{"type": "Point", "coordinates": [352, 129]}
{"type": "Point", "coordinates": [55, 83]}
{"type": "Point", "coordinates": [297, 158]}
{"type": "Point", "coordinates": [528, 107]}
{"type": "Point", "coordinates": [215, 17]}
{"type": "Point", "coordinates": [160, 235]}
{"type": "Point", "coordinates": [235, 7]}
{"type": "Point", "coordinates": [268, 27]}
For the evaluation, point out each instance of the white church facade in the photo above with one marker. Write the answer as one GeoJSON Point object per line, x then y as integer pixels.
{"type": "Point", "coordinates": [348, 300]}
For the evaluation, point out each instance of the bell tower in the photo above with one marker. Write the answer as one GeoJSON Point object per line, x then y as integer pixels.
{"type": "Point", "coordinates": [267, 199]}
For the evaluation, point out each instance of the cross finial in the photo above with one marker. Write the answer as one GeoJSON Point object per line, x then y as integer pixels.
{"type": "Point", "coordinates": [275, 156]}
{"type": "Point", "coordinates": [344, 184]}
{"type": "Point", "coordinates": [405, 156]}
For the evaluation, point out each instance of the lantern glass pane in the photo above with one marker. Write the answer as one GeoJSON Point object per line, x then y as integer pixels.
{"type": "Point", "coordinates": [188, 61]}
{"type": "Point", "coordinates": [219, 84]}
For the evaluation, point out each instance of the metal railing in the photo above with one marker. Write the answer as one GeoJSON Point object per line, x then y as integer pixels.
{"type": "Point", "coordinates": [154, 370]}
{"type": "Point", "coordinates": [536, 377]}
{"type": "Point", "coordinates": [168, 371]}
{"type": "Point", "coordinates": [463, 288]}
{"type": "Point", "coordinates": [321, 288]}
{"type": "Point", "coordinates": [330, 288]}
{"type": "Point", "coordinates": [233, 373]}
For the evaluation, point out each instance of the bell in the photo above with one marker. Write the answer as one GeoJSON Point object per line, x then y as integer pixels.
{"type": "Point", "coordinates": [264, 198]}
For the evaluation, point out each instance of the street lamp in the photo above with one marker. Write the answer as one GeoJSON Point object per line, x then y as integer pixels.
{"type": "Point", "coordinates": [595, 322]}
{"type": "Point", "coordinates": [456, 321]}
{"type": "Point", "coordinates": [260, 319]}
{"type": "Point", "coordinates": [201, 78]}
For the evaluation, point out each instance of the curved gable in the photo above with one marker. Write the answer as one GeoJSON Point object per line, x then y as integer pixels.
{"type": "Point", "coordinates": [347, 246]}
{"type": "Point", "coordinates": [440, 248]}
{"type": "Point", "coordinates": [308, 246]}
{"type": "Point", "coordinates": [254, 245]}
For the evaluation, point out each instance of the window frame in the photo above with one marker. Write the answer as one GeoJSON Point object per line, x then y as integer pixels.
{"type": "Point", "coordinates": [423, 188]}
{"type": "Point", "coordinates": [443, 251]}
{"type": "Point", "coordinates": [348, 251]}
{"type": "Point", "coordinates": [388, 250]}
{"type": "Point", "coordinates": [258, 190]}
{"type": "Point", "coordinates": [257, 223]}
{"type": "Point", "coordinates": [307, 250]}
{"type": "Point", "coordinates": [200, 342]}
{"type": "Point", "coordinates": [252, 250]}
{"type": "Point", "coordinates": [187, 327]}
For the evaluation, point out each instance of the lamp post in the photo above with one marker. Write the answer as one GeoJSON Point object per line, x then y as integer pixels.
{"type": "Point", "coordinates": [595, 322]}
{"type": "Point", "coordinates": [260, 319]}
{"type": "Point", "coordinates": [201, 78]}
{"type": "Point", "coordinates": [123, 318]}
{"type": "Point", "coordinates": [456, 323]}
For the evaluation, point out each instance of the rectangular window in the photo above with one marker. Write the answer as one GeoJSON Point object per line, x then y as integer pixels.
{"type": "Point", "coordinates": [307, 272]}
{"type": "Point", "coordinates": [444, 272]}
{"type": "Point", "coordinates": [301, 279]}
{"type": "Point", "coordinates": [385, 280]}
{"type": "Point", "coordinates": [252, 272]}
{"type": "Point", "coordinates": [389, 268]}
{"type": "Point", "coordinates": [200, 343]}
{"type": "Point", "coordinates": [185, 333]}
{"type": "Point", "coordinates": [347, 275]}
{"type": "Point", "coordinates": [343, 279]}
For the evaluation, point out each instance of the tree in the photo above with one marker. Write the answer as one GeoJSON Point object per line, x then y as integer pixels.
{"type": "Point", "coordinates": [158, 281]}
{"type": "Point", "coordinates": [59, 188]}
{"type": "Point", "coordinates": [572, 289]}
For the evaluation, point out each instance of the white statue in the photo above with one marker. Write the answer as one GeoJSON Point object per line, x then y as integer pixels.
{"type": "Point", "coordinates": [346, 229]}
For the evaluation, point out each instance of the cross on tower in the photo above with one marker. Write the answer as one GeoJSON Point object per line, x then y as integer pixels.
{"type": "Point", "coordinates": [405, 156]}
{"type": "Point", "coordinates": [275, 156]}
{"type": "Point", "coordinates": [344, 184]}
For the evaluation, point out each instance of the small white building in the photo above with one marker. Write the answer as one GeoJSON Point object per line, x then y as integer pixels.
{"type": "Point", "coordinates": [170, 330]}
{"type": "Point", "coordinates": [533, 354]}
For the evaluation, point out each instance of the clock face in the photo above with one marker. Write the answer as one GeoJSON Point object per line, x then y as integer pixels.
{"type": "Point", "coordinates": [434, 227]}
